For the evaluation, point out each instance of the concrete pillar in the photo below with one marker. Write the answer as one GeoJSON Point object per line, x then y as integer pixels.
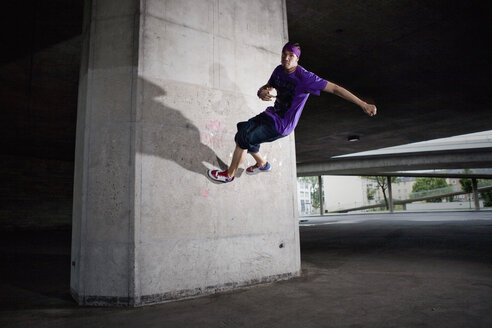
{"type": "Point", "coordinates": [475, 194]}
{"type": "Point", "coordinates": [163, 84]}
{"type": "Point", "coordinates": [390, 194]}
{"type": "Point", "coordinates": [320, 183]}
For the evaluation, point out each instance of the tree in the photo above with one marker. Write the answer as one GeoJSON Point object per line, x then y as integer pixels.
{"type": "Point", "coordinates": [425, 184]}
{"type": "Point", "coordinates": [370, 193]}
{"type": "Point", "coordinates": [487, 198]}
{"type": "Point", "coordinates": [313, 181]}
{"type": "Point", "coordinates": [383, 184]}
{"type": "Point", "coordinates": [466, 184]}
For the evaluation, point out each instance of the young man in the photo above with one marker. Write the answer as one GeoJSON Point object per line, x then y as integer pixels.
{"type": "Point", "coordinates": [293, 85]}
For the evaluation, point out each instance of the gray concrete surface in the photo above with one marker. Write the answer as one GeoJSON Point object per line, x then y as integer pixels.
{"type": "Point", "coordinates": [392, 164]}
{"type": "Point", "coordinates": [378, 270]}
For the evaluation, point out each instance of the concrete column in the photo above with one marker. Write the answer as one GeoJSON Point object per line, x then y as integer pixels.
{"type": "Point", "coordinates": [320, 183]}
{"type": "Point", "coordinates": [163, 84]}
{"type": "Point", "coordinates": [475, 194]}
{"type": "Point", "coordinates": [390, 194]}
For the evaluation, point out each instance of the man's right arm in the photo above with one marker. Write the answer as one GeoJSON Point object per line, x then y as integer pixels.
{"type": "Point", "coordinates": [264, 92]}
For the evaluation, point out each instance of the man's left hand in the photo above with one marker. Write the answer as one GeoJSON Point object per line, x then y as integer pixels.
{"type": "Point", "coordinates": [369, 109]}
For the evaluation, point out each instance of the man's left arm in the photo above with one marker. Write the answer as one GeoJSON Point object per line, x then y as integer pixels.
{"type": "Point", "coordinates": [369, 109]}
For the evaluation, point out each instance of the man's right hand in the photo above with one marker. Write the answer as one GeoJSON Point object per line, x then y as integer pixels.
{"type": "Point", "coordinates": [264, 93]}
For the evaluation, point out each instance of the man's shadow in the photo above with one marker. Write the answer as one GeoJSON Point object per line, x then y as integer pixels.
{"type": "Point", "coordinates": [177, 138]}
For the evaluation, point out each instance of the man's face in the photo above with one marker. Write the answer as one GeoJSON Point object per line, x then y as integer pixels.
{"type": "Point", "coordinates": [289, 60]}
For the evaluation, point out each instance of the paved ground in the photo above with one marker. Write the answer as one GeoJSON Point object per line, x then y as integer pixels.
{"type": "Point", "coordinates": [401, 270]}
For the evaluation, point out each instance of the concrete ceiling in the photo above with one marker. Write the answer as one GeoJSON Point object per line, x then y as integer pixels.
{"type": "Point", "coordinates": [424, 64]}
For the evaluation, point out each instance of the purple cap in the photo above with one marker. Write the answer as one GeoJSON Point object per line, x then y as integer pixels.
{"type": "Point", "coordinates": [293, 49]}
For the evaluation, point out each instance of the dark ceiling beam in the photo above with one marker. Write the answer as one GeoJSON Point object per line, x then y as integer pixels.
{"type": "Point", "coordinates": [391, 164]}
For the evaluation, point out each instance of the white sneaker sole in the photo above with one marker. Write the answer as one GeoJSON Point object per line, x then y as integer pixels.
{"type": "Point", "coordinates": [209, 174]}
{"type": "Point", "coordinates": [257, 171]}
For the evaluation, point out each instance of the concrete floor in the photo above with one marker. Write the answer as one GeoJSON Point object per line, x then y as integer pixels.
{"type": "Point", "coordinates": [400, 270]}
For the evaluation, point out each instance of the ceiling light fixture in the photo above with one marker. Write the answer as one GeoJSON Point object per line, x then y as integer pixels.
{"type": "Point", "coordinates": [353, 138]}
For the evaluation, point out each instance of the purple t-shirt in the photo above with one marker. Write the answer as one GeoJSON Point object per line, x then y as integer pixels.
{"type": "Point", "coordinates": [293, 91]}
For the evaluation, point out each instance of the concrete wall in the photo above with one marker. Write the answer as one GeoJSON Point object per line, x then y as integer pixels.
{"type": "Point", "coordinates": [343, 192]}
{"type": "Point", "coordinates": [163, 84]}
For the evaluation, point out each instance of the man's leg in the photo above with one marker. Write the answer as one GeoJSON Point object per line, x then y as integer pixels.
{"type": "Point", "coordinates": [250, 135]}
{"type": "Point", "coordinates": [260, 166]}
{"type": "Point", "coordinates": [237, 159]}
{"type": "Point", "coordinates": [259, 160]}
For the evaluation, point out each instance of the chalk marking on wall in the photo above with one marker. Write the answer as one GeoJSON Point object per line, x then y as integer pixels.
{"type": "Point", "coordinates": [213, 135]}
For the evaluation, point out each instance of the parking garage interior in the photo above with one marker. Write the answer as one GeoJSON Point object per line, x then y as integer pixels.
{"type": "Point", "coordinates": [424, 64]}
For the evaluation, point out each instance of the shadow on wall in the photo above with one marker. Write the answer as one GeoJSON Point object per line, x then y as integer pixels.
{"type": "Point", "coordinates": [175, 137]}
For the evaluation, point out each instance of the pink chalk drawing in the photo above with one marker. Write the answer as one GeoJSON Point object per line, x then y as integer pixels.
{"type": "Point", "coordinates": [205, 194]}
{"type": "Point", "coordinates": [213, 135]}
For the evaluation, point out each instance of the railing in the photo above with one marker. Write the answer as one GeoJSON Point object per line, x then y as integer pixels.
{"type": "Point", "coordinates": [445, 192]}
{"type": "Point", "coordinates": [435, 192]}
{"type": "Point", "coordinates": [484, 183]}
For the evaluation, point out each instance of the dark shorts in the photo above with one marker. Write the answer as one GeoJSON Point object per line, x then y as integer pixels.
{"type": "Point", "coordinates": [255, 131]}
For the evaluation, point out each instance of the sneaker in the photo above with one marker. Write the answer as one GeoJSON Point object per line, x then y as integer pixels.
{"type": "Point", "coordinates": [255, 169]}
{"type": "Point", "coordinates": [221, 176]}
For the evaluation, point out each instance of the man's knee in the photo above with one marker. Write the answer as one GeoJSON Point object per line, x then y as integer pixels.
{"type": "Point", "coordinates": [241, 140]}
{"type": "Point", "coordinates": [241, 136]}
